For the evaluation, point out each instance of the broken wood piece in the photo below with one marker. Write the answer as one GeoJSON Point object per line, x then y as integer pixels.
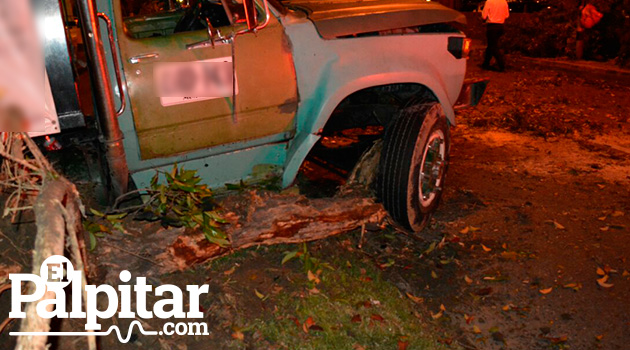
{"type": "Point", "coordinates": [277, 219]}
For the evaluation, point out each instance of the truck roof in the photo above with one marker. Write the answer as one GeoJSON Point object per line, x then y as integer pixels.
{"type": "Point", "coordinates": [335, 18]}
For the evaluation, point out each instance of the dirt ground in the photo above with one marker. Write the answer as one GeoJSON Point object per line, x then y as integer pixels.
{"type": "Point", "coordinates": [528, 250]}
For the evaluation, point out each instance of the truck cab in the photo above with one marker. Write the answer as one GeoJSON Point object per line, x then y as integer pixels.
{"type": "Point", "coordinates": [282, 73]}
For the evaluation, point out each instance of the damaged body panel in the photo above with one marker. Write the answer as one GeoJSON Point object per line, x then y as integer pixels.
{"type": "Point", "coordinates": [291, 75]}
{"type": "Point", "coordinates": [330, 70]}
{"type": "Point", "coordinates": [342, 18]}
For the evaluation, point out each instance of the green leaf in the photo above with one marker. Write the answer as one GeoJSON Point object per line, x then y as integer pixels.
{"type": "Point", "coordinates": [216, 217]}
{"type": "Point", "coordinates": [174, 171]}
{"type": "Point", "coordinates": [92, 241]}
{"type": "Point", "coordinates": [96, 212]}
{"type": "Point", "coordinates": [163, 197]}
{"type": "Point", "coordinates": [215, 232]}
{"type": "Point", "coordinates": [187, 176]}
{"type": "Point", "coordinates": [182, 186]}
{"type": "Point", "coordinates": [218, 241]}
{"type": "Point", "coordinates": [115, 217]}
{"type": "Point", "coordinates": [288, 256]}
{"type": "Point", "coordinates": [154, 180]}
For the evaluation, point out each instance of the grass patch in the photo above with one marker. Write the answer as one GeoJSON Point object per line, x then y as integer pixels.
{"type": "Point", "coordinates": [354, 308]}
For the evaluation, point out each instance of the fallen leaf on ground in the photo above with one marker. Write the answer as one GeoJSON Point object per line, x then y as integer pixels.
{"type": "Point", "coordinates": [389, 263]}
{"type": "Point", "coordinates": [625, 273]}
{"type": "Point", "coordinates": [356, 319]}
{"type": "Point", "coordinates": [546, 291]}
{"type": "Point", "coordinates": [436, 316]}
{"type": "Point", "coordinates": [486, 249]}
{"type": "Point", "coordinates": [558, 340]}
{"type": "Point", "coordinates": [469, 229]}
{"type": "Point", "coordinates": [602, 282]}
{"type": "Point", "coordinates": [468, 318]}
{"type": "Point", "coordinates": [377, 317]}
{"type": "Point", "coordinates": [476, 329]}
{"type": "Point", "coordinates": [507, 307]}
{"type": "Point", "coordinates": [230, 271]}
{"type": "Point", "coordinates": [609, 269]}
{"type": "Point", "coordinates": [439, 314]}
{"type": "Point", "coordinates": [433, 274]}
{"type": "Point", "coordinates": [600, 271]}
{"type": "Point", "coordinates": [238, 335]}
{"type": "Point", "coordinates": [295, 320]}
{"type": "Point", "coordinates": [259, 294]}
{"type": "Point", "coordinates": [402, 345]}
{"type": "Point", "coordinates": [431, 248]}
{"type": "Point", "coordinates": [468, 279]}
{"type": "Point", "coordinates": [617, 213]}
{"type": "Point", "coordinates": [605, 228]}
{"type": "Point", "coordinates": [599, 337]}
{"type": "Point", "coordinates": [557, 225]}
{"type": "Point", "coordinates": [312, 277]}
{"type": "Point", "coordinates": [307, 324]}
{"type": "Point", "coordinates": [414, 298]}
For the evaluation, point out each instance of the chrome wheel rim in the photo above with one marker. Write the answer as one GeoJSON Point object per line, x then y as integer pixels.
{"type": "Point", "coordinates": [432, 168]}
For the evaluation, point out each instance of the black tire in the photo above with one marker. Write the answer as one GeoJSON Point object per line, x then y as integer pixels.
{"type": "Point", "coordinates": [405, 152]}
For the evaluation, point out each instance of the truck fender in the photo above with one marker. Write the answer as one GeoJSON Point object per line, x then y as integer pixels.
{"type": "Point", "coordinates": [306, 138]}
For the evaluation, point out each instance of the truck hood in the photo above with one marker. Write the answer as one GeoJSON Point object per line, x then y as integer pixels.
{"type": "Point", "coordinates": [335, 18]}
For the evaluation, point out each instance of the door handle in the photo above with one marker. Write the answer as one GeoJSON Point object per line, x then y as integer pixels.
{"type": "Point", "coordinates": [146, 56]}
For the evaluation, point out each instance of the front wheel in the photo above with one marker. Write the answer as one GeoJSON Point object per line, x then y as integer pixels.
{"type": "Point", "coordinates": [413, 164]}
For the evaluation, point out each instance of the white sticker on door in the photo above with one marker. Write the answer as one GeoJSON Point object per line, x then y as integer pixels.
{"type": "Point", "coordinates": [186, 82]}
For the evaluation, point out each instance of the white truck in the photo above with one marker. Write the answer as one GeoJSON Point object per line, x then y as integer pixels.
{"type": "Point", "coordinates": [276, 74]}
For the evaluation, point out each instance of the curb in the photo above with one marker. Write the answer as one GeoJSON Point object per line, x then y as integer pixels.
{"type": "Point", "coordinates": [618, 75]}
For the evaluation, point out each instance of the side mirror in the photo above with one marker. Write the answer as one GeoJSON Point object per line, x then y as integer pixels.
{"type": "Point", "coordinates": [251, 16]}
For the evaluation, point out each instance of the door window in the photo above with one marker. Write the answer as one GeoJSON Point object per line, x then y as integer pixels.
{"type": "Point", "coordinates": [145, 19]}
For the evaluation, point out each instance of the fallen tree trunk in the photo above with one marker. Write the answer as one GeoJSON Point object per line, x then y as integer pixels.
{"type": "Point", "coordinates": [275, 219]}
{"type": "Point", "coordinates": [57, 210]}
{"type": "Point", "coordinates": [49, 241]}
{"type": "Point", "coordinates": [56, 215]}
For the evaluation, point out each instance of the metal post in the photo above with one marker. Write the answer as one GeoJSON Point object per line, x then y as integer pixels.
{"type": "Point", "coordinates": [112, 137]}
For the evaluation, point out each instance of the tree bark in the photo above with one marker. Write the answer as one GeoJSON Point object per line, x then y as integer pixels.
{"type": "Point", "coordinates": [56, 210]}
{"type": "Point", "coordinates": [276, 219]}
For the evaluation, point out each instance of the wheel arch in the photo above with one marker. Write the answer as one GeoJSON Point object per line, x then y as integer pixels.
{"type": "Point", "coordinates": [335, 98]}
{"type": "Point", "coordinates": [310, 132]}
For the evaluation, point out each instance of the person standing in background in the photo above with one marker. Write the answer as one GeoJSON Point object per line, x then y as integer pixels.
{"type": "Point", "coordinates": [494, 14]}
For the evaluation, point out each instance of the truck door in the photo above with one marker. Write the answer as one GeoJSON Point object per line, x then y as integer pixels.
{"type": "Point", "coordinates": [152, 32]}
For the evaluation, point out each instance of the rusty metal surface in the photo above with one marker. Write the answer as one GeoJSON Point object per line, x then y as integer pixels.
{"type": "Point", "coordinates": [341, 18]}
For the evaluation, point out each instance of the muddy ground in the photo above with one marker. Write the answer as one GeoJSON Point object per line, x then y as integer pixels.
{"type": "Point", "coordinates": [528, 250]}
